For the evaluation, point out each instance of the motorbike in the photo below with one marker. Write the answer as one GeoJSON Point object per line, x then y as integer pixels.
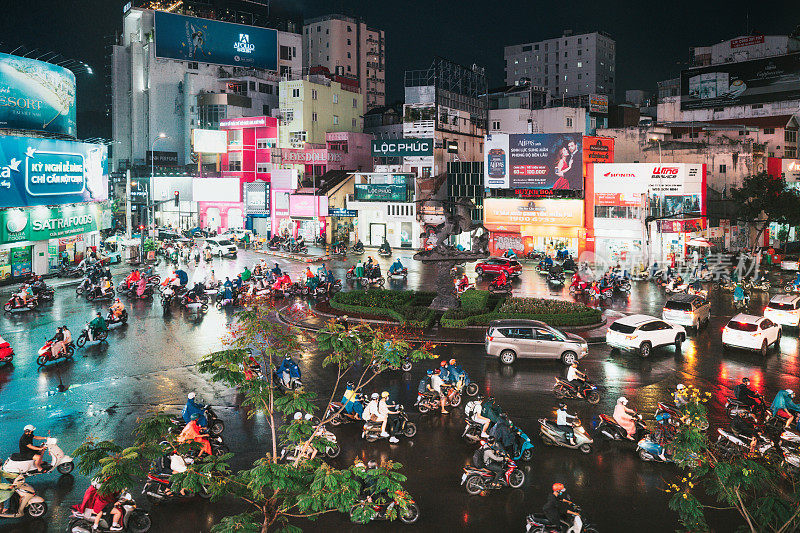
{"type": "Point", "coordinates": [762, 285]}
{"type": "Point", "coordinates": [339, 249]}
{"type": "Point", "coordinates": [430, 402]}
{"type": "Point", "coordinates": [83, 338]}
{"type": "Point", "coordinates": [676, 416]}
{"type": "Point", "coordinates": [731, 443]}
{"type": "Point", "coordinates": [58, 461]}
{"type": "Point", "coordinates": [791, 463]}
{"type": "Point", "coordinates": [543, 268]}
{"type": "Point", "coordinates": [385, 251]}
{"type": "Point", "coordinates": [466, 386]}
{"type": "Point", "coordinates": [157, 488]}
{"type": "Point", "coordinates": [112, 320]}
{"type": "Point", "coordinates": [43, 292]}
{"type": "Point", "coordinates": [383, 511]}
{"type": "Point", "coordinates": [578, 287]}
{"type": "Point", "coordinates": [504, 288]}
{"type": "Point", "coordinates": [477, 480]}
{"type": "Point", "coordinates": [533, 254]}
{"type": "Point", "coordinates": [339, 416]}
{"type": "Point", "coordinates": [621, 285]}
{"type": "Point", "coordinates": [598, 292]}
{"type": "Point", "coordinates": [358, 249]}
{"type": "Point", "coordinates": [134, 520]}
{"type": "Point", "coordinates": [70, 272]}
{"type": "Point", "coordinates": [332, 450]}
{"type": "Point", "coordinates": [94, 294]}
{"type": "Point", "coordinates": [351, 272]}
{"type": "Point", "coordinates": [32, 304]}
{"type": "Point", "coordinates": [372, 430]}
{"type": "Point", "coordinates": [146, 295]}
{"type": "Point", "coordinates": [791, 288]}
{"type": "Point", "coordinates": [6, 352]}
{"type": "Point", "coordinates": [198, 305]}
{"type": "Point", "coordinates": [538, 523]}
{"type": "Point", "coordinates": [365, 282]}
{"type": "Point", "coordinates": [742, 303]}
{"type": "Point", "coordinates": [608, 428]}
{"type": "Point", "coordinates": [555, 278]}
{"type": "Point", "coordinates": [45, 354]}
{"type": "Point", "coordinates": [294, 383]}
{"type": "Point", "coordinates": [734, 407]}
{"type": "Point", "coordinates": [83, 286]}
{"type": "Point", "coordinates": [27, 502]}
{"type": "Point", "coordinates": [214, 423]}
{"type": "Point", "coordinates": [588, 391]}
{"type": "Point", "coordinates": [461, 289]}
{"type": "Point", "coordinates": [553, 436]}
{"type": "Point", "coordinates": [402, 273]}
{"type": "Point", "coordinates": [650, 450]}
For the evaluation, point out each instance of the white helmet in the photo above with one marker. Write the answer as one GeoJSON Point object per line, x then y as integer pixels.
{"type": "Point", "coordinates": [680, 386]}
{"type": "Point", "coordinates": [191, 396]}
{"type": "Point", "coordinates": [622, 400]}
{"type": "Point", "coordinates": [375, 396]}
{"type": "Point", "coordinates": [791, 392]}
{"type": "Point", "coordinates": [298, 415]}
{"type": "Point", "coordinates": [28, 428]}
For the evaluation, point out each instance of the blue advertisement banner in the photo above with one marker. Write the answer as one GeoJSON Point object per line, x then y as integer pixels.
{"type": "Point", "coordinates": [51, 172]}
{"type": "Point", "coordinates": [35, 95]}
{"type": "Point", "coordinates": [210, 41]}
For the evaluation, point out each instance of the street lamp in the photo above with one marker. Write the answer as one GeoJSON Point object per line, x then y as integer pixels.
{"type": "Point", "coordinates": [160, 136]}
{"type": "Point", "coordinates": [656, 140]}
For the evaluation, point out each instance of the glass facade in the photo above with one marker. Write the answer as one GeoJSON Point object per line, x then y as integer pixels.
{"type": "Point", "coordinates": [210, 115]}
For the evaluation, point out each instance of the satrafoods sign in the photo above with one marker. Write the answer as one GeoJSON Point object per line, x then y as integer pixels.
{"type": "Point", "coordinates": [640, 178]}
{"type": "Point", "coordinates": [42, 223]}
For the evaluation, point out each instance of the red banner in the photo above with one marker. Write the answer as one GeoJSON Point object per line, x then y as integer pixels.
{"type": "Point", "coordinates": [598, 150]}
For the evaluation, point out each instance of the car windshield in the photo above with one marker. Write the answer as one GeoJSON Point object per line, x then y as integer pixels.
{"type": "Point", "coordinates": [224, 243]}
{"type": "Point", "coordinates": [678, 306]}
{"type": "Point", "coordinates": [622, 328]}
{"type": "Point", "coordinates": [742, 326]}
{"type": "Point", "coordinates": [558, 334]}
{"type": "Point", "coordinates": [781, 306]}
{"type": "Point", "coordinates": [513, 263]}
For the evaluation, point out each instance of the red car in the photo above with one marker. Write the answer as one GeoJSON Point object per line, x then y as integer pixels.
{"type": "Point", "coordinates": [494, 265]}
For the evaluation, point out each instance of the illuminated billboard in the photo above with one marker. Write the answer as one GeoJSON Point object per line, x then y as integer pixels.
{"type": "Point", "coordinates": [35, 95]}
{"type": "Point", "coordinates": [209, 141]}
{"type": "Point", "coordinates": [51, 172]}
{"type": "Point", "coordinates": [210, 41]}
{"type": "Point", "coordinates": [533, 161]}
{"type": "Point", "coordinates": [504, 212]}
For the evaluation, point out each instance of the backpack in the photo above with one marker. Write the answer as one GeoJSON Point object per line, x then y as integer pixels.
{"type": "Point", "coordinates": [423, 385]}
{"type": "Point", "coordinates": [477, 459]}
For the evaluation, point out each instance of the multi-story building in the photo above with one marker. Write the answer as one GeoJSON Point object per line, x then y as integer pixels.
{"type": "Point", "coordinates": [348, 46]}
{"type": "Point", "coordinates": [165, 84]}
{"type": "Point", "coordinates": [385, 122]}
{"type": "Point", "coordinates": [570, 65]}
{"type": "Point", "coordinates": [314, 105]}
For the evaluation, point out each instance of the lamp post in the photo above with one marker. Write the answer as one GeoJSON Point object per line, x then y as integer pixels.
{"type": "Point", "coordinates": [660, 197]}
{"type": "Point", "coordinates": [160, 136]}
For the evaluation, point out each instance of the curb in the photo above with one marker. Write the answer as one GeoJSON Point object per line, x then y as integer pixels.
{"type": "Point", "coordinates": [294, 257]}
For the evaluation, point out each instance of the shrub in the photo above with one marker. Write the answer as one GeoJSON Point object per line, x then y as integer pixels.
{"type": "Point", "coordinates": [406, 307]}
{"type": "Point", "coordinates": [553, 312]}
{"type": "Point", "coordinates": [474, 302]}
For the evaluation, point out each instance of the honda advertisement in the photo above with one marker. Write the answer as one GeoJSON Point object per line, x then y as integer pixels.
{"type": "Point", "coordinates": [747, 82]}
{"type": "Point", "coordinates": [534, 161]}
{"type": "Point", "coordinates": [51, 172]}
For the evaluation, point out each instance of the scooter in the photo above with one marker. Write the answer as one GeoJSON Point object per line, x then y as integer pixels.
{"type": "Point", "coordinates": [58, 460]}
{"type": "Point", "coordinates": [83, 338]}
{"type": "Point", "coordinates": [676, 416]}
{"type": "Point", "coordinates": [26, 503]}
{"type": "Point", "coordinates": [214, 423]}
{"type": "Point", "coordinates": [606, 427]}
{"type": "Point", "coordinates": [587, 391]}
{"type": "Point", "coordinates": [45, 354]}
{"type": "Point", "coordinates": [385, 251]}
{"type": "Point", "coordinates": [94, 294]}
{"type": "Point", "coordinates": [734, 407]}
{"type": "Point", "coordinates": [742, 303]}
{"type": "Point", "coordinates": [365, 282]}
{"type": "Point", "coordinates": [402, 273]}
{"type": "Point", "coordinates": [6, 352]}
{"type": "Point", "coordinates": [478, 480]}
{"type": "Point", "coordinates": [504, 288]}
{"type": "Point", "coordinates": [43, 293]}
{"type": "Point", "coordinates": [358, 250]}
{"type": "Point", "coordinates": [465, 386]}
{"type": "Point", "coordinates": [339, 416]}
{"type": "Point", "coordinates": [596, 292]}
{"type": "Point", "coordinates": [372, 430]}
{"type": "Point", "coordinates": [294, 383]}
{"type": "Point", "coordinates": [83, 286]}
{"type": "Point", "coordinates": [430, 402]}
{"type": "Point", "coordinates": [461, 289]}
{"type": "Point", "coordinates": [553, 436]}
{"type": "Point", "coordinates": [729, 442]}
{"type": "Point", "coordinates": [332, 450]}
{"type": "Point", "coordinates": [621, 285]}
{"type": "Point", "coordinates": [578, 287]}
{"type": "Point", "coordinates": [70, 272]}
{"type": "Point", "coordinates": [31, 304]}
{"type": "Point", "coordinates": [555, 278]}
{"type": "Point", "coordinates": [538, 523]}
{"type": "Point", "coordinates": [157, 488]}
{"type": "Point", "coordinates": [112, 320]}
{"type": "Point", "coordinates": [384, 511]}
{"type": "Point", "coordinates": [650, 450]}
{"type": "Point", "coordinates": [134, 520]}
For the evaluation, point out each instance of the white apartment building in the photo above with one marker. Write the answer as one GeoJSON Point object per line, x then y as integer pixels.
{"type": "Point", "coordinates": [347, 46]}
{"type": "Point", "coordinates": [570, 65]}
{"type": "Point", "coordinates": [156, 95]}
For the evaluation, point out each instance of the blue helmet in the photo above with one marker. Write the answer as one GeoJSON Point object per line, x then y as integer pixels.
{"type": "Point", "coordinates": [662, 417]}
{"type": "Point", "coordinates": [430, 372]}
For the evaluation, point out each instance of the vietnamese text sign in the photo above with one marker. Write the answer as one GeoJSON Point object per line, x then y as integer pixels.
{"type": "Point", "coordinates": [381, 192]}
{"type": "Point", "coordinates": [210, 41]}
{"type": "Point", "coordinates": [598, 103]}
{"type": "Point", "coordinates": [598, 149]}
{"type": "Point", "coordinates": [309, 157]}
{"type": "Point", "coordinates": [46, 172]}
{"type": "Point", "coordinates": [402, 147]}
{"type": "Point", "coordinates": [35, 95]}
{"type": "Point", "coordinates": [533, 161]}
{"type": "Point", "coordinates": [517, 212]}
{"type": "Point", "coordinates": [42, 223]}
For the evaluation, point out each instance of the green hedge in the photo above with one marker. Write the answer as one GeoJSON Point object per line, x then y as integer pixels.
{"type": "Point", "coordinates": [567, 313]}
{"type": "Point", "coordinates": [474, 301]}
{"type": "Point", "coordinates": [406, 307]}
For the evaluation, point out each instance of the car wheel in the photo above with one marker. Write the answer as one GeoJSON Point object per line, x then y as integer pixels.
{"type": "Point", "coordinates": [678, 342]}
{"type": "Point", "coordinates": [763, 348]}
{"type": "Point", "coordinates": [644, 350]}
{"type": "Point", "coordinates": [778, 341]}
{"type": "Point", "coordinates": [568, 358]}
{"type": "Point", "coordinates": [507, 357]}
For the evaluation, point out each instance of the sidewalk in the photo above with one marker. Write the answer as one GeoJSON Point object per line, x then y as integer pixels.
{"type": "Point", "coordinates": [56, 282]}
{"type": "Point", "coordinates": [294, 257]}
{"type": "Point", "coordinates": [317, 320]}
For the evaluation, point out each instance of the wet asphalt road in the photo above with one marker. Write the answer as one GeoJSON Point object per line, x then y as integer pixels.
{"type": "Point", "coordinates": [151, 363]}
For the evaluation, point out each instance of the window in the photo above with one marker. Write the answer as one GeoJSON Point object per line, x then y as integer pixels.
{"type": "Point", "coordinates": [263, 167]}
{"type": "Point", "coordinates": [355, 102]}
{"type": "Point", "coordinates": [265, 110]}
{"type": "Point", "coordinates": [288, 115]}
{"type": "Point", "coordinates": [295, 93]}
{"type": "Point", "coordinates": [348, 68]}
{"type": "Point", "coordinates": [743, 132]}
{"type": "Point", "coordinates": [676, 135]}
{"type": "Point", "coordinates": [348, 55]}
{"type": "Point", "coordinates": [544, 335]}
{"type": "Point", "coordinates": [757, 106]}
{"type": "Point", "coordinates": [348, 42]}
{"type": "Point", "coordinates": [349, 29]}
{"type": "Point", "coordinates": [297, 136]}
{"type": "Point", "coordinates": [769, 131]}
{"type": "Point", "coordinates": [313, 117]}
{"type": "Point", "coordinates": [517, 333]}
{"type": "Point", "coordinates": [580, 64]}
{"type": "Point", "coordinates": [565, 54]}
{"type": "Point", "coordinates": [355, 123]}
{"type": "Point", "coordinates": [790, 136]}
{"type": "Point", "coordinates": [723, 169]}
{"type": "Point", "coordinates": [526, 48]}
{"type": "Point", "coordinates": [579, 52]}
{"type": "Point", "coordinates": [313, 94]}
{"type": "Point", "coordinates": [568, 121]}
{"type": "Point", "coordinates": [335, 98]}
{"type": "Point", "coordinates": [579, 76]}
{"type": "Point", "coordinates": [580, 41]}
{"type": "Point", "coordinates": [286, 52]}
{"type": "Point", "coordinates": [335, 120]}
{"type": "Point", "coordinates": [262, 88]}
{"type": "Point", "coordinates": [262, 144]}
{"type": "Point", "coordinates": [536, 47]}
{"type": "Point", "coordinates": [192, 65]}
{"type": "Point", "coordinates": [495, 124]}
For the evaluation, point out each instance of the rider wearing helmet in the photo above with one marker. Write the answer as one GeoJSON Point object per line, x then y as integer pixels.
{"type": "Point", "coordinates": [680, 396]}
{"type": "Point", "coordinates": [555, 507]}
{"type": "Point", "coordinates": [493, 459]}
{"type": "Point", "coordinates": [117, 308]}
{"type": "Point", "coordinates": [194, 408]}
{"type": "Point", "coordinates": [389, 415]}
{"type": "Point", "coordinates": [783, 406]}
{"type": "Point", "coordinates": [563, 419]}
{"type": "Point", "coordinates": [625, 417]}
{"type": "Point", "coordinates": [746, 395]}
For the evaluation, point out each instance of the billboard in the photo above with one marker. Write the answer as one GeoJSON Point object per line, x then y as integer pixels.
{"type": "Point", "coordinates": [35, 95]}
{"type": "Point", "coordinates": [598, 103]}
{"type": "Point", "coordinates": [210, 41]}
{"type": "Point", "coordinates": [375, 192]}
{"type": "Point", "coordinates": [402, 148]}
{"type": "Point", "coordinates": [639, 178]}
{"type": "Point", "coordinates": [209, 141]}
{"type": "Point", "coordinates": [42, 223]}
{"type": "Point", "coordinates": [747, 82]}
{"type": "Point", "coordinates": [216, 190]}
{"type": "Point", "coordinates": [506, 212]}
{"type": "Point", "coordinates": [37, 171]}
{"type": "Point", "coordinates": [598, 149]}
{"type": "Point", "coordinates": [293, 156]}
{"type": "Point", "coordinates": [533, 161]}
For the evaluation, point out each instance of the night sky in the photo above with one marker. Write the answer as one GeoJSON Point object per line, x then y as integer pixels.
{"type": "Point", "coordinates": [653, 39]}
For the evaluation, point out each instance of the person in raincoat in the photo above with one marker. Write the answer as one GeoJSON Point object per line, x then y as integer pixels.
{"type": "Point", "coordinates": [783, 405]}
{"type": "Point", "coordinates": [192, 432]}
{"type": "Point", "coordinates": [360, 269]}
{"type": "Point", "coordinates": [6, 490]}
{"type": "Point", "coordinates": [624, 417]}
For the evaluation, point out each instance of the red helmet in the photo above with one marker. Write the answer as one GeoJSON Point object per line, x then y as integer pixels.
{"type": "Point", "coordinates": [558, 487]}
{"type": "Point", "coordinates": [443, 363]}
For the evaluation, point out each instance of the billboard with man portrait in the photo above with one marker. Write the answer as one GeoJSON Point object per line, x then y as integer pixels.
{"type": "Point", "coordinates": [534, 161]}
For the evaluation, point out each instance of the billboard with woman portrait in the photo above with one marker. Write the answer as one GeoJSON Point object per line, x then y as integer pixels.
{"type": "Point", "coordinates": [534, 161]}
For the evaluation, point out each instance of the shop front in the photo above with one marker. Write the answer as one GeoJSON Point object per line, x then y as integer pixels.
{"type": "Point", "coordinates": [300, 215]}
{"type": "Point", "coordinates": [36, 240]}
{"type": "Point", "coordinates": [534, 225]}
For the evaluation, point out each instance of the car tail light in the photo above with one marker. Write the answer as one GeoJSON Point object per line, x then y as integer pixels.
{"type": "Point", "coordinates": [489, 338]}
{"type": "Point", "coordinates": [630, 337]}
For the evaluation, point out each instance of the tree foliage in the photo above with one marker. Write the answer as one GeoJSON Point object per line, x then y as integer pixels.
{"type": "Point", "coordinates": [276, 491]}
{"type": "Point", "coordinates": [765, 199]}
{"type": "Point", "coordinates": [756, 486]}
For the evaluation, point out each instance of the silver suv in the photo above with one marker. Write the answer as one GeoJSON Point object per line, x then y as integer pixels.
{"type": "Point", "coordinates": [510, 339]}
{"type": "Point", "coordinates": [687, 310]}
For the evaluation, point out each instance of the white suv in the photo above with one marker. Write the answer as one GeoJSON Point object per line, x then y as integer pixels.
{"type": "Point", "coordinates": [752, 333]}
{"type": "Point", "coordinates": [784, 309]}
{"type": "Point", "coordinates": [642, 333]}
{"type": "Point", "coordinates": [221, 247]}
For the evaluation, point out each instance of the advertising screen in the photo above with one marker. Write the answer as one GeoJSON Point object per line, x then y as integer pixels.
{"type": "Point", "coordinates": [35, 95]}
{"type": "Point", "coordinates": [17, 225]}
{"type": "Point", "coordinates": [747, 82]}
{"type": "Point", "coordinates": [381, 192]}
{"type": "Point", "coordinates": [209, 141]}
{"type": "Point", "coordinates": [51, 172]}
{"type": "Point", "coordinates": [210, 41]}
{"type": "Point", "coordinates": [516, 212]}
{"type": "Point", "coordinates": [534, 161]}
{"type": "Point", "coordinates": [216, 190]}
{"type": "Point", "coordinates": [402, 147]}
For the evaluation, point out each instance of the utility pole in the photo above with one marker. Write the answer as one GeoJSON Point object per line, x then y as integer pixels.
{"type": "Point", "coordinates": [128, 204]}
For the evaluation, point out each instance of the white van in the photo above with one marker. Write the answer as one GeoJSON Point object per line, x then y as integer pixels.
{"type": "Point", "coordinates": [221, 247]}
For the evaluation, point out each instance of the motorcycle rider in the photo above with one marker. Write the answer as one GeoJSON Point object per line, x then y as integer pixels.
{"type": "Point", "coordinates": [385, 248]}
{"type": "Point", "coordinates": [191, 408]}
{"type": "Point", "coordinates": [563, 419]}
{"type": "Point", "coordinates": [105, 286]}
{"type": "Point", "coordinates": [625, 417]}
{"type": "Point", "coordinates": [287, 371]}
{"type": "Point", "coordinates": [27, 450]}
{"type": "Point", "coordinates": [503, 434]}
{"type": "Point", "coordinates": [456, 372]}
{"type": "Point", "coordinates": [500, 280]}
{"type": "Point", "coordinates": [246, 274]}
{"type": "Point", "coordinates": [746, 395]}
{"type": "Point", "coordinates": [117, 308]}
{"type": "Point", "coordinates": [493, 459]}
{"type": "Point", "coordinates": [372, 413]}
{"type": "Point", "coordinates": [444, 373]}
{"type": "Point", "coordinates": [680, 396]}
{"type": "Point", "coordinates": [211, 280]}
{"type": "Point", "coordinates": [97, 325]}
{"type": "Point", "coordinates": [463, 283]}
{"type": "Point", "coordinates": [783, 406]}
{"type": "Point", "coordinates": [738, 293]}
{"type": "Point", "coordinates": [351, 403]}
{"type": "Point", "coordinates": [575, 377]}
{"type": "Point", "coordinates": [569, 264]}
{"type": "Point", "coordinates": [663, 434]}
{"type": "Point", "coordinates": [141, 287]}
{"type": "Point", "coordinates": [277, 271]}
{"type": "Point", "coordinates": [67, 335]}
{"type": "Point", "coordinates": [556, 507]}
{"type": "Point", "coordinates": [193, 432]}
{"type": "Point", "coordinates": [396, 267]}
{"type": "Point", "coordinates": [132, 278]}
{"type": "Point", "coordinates": [436, 386]}
{"type": "Point", "coordinates": [358, 246]}
{"type": "Point", "coordinates": [389, 413]}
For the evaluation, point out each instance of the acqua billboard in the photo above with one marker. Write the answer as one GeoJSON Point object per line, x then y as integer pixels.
{"type": "Point", "coordinates": [51, 172]}
{"type": "Point", "coordinates": [35, 95]}
{"type": "Point", "coordinates": [210, 41]}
